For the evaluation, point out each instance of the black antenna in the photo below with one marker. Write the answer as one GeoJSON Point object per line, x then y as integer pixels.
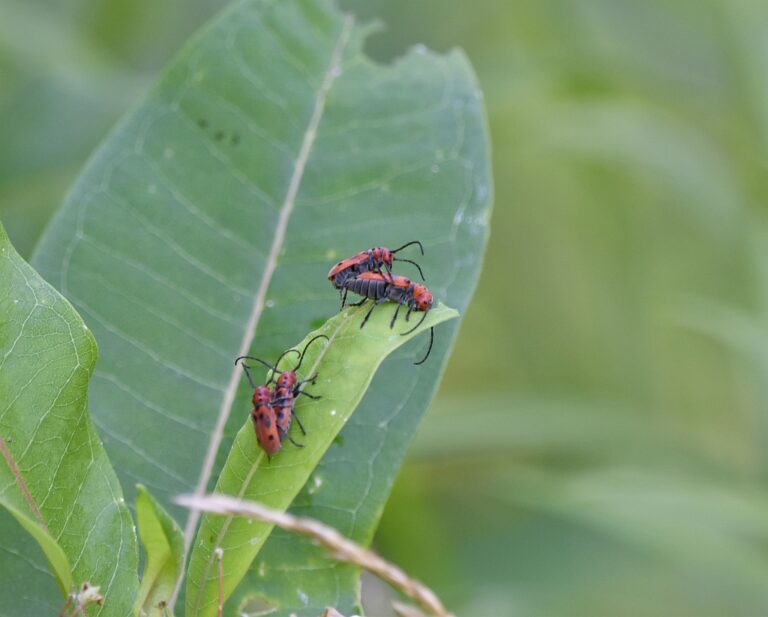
{"type": "Point", "coordinates": [429, 349]}
{"type": "Point", "coordinates": [417, 325]}
{"type": "Point", "coordinates": [257, 360]}
{"type": "Point", "coordinates": [247, 373]}
{"type": "Point", "coordinates": [409, 244]}
{"type": "Point", "coordinates": [312, 340]}
{"type": "Point", "coordinates": [415, 264]}
{"type": "Point", "coordinates": [276, 371]}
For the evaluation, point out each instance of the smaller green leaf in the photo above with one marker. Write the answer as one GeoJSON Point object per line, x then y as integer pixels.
{"type": "Point", "coordinates": [51, 549]}
{"type": "Point", "coordinates": [345, 366]}
{"type": "Point", "coordinates": [55, 468]}
{"type": "Point", "coordinates": [163, 544]}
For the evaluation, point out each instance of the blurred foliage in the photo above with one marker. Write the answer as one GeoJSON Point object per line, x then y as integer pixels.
{"type": "Point", "coordinates": [598, 446]}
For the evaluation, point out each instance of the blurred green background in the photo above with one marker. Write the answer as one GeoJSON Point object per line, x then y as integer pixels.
{"type": "Point", "coordinates": [598, 444]}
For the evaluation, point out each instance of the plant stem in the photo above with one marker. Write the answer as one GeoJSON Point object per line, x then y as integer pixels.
{"type": "Point", "coordinates": [341, 548]}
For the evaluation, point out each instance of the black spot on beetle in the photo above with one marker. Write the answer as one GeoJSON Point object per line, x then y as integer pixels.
{"type": "Point", "coordinates": [271, 437]}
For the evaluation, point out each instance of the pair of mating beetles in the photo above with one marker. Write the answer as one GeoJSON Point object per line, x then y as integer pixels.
{"type": "Point", "coordinates": [367, 274]}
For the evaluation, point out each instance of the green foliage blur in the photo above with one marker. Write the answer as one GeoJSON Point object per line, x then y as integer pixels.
{"type": "Point", "coordinates": [598, 444]}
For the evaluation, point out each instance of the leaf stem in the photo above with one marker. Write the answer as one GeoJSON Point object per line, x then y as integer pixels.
{"type": "Point", "coordinates": [340, 547]}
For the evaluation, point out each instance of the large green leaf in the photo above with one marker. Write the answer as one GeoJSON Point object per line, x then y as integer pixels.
{"type": "Point", "coordinates": [345, 366]}
{"type": "Point", "coordinates": [204, 227]}
{"type": "Point", "coordinates": [55, 476]}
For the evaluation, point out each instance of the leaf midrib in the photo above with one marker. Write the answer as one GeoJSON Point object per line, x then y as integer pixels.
{"type": "Point", "coordinates": [330, 75]}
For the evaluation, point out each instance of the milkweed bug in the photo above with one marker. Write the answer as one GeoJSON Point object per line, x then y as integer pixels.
{"type": "Point", "coordinates": [378, 259]}
{"type": "Point", "coordinates": [263, 413]}
{"type": "Point", "coordinates": [398, 289]}
{"type": "Point", "coordinates": [265, 421]}
{"type": "Point", "coordinates": [274, 408]}
{"type": "Point", "coordinates": [287, 388]}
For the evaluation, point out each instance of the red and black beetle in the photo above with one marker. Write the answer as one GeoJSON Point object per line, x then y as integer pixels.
{"type": "Point", "coordinates": [378, 259]}
{"type": "Point", "coordinates": [398, 289]}
{"type": "Point", "coordinates": [265, 422]}
{"type": "Point", "coordinates": [274, 408]}
{"type": "Point", "coordinates": [287, 388]}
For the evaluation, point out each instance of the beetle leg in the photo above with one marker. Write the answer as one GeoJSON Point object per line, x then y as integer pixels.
{"type": "Point", "coordinates": [373, 306]}
{"type": "Point", "coordinates": [394, 317]}
{"type": "Point", "coordinates": [368, 314]}
{"type": "Point", "coordinates": [298, 391]}
{"type": "Point", "coordinates": [295, 417]}
{"type": "Point", "coordinates": [388, 275]}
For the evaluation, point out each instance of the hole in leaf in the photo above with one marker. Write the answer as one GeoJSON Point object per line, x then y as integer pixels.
{"type": "Point", "coordinates": [256, 605]}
